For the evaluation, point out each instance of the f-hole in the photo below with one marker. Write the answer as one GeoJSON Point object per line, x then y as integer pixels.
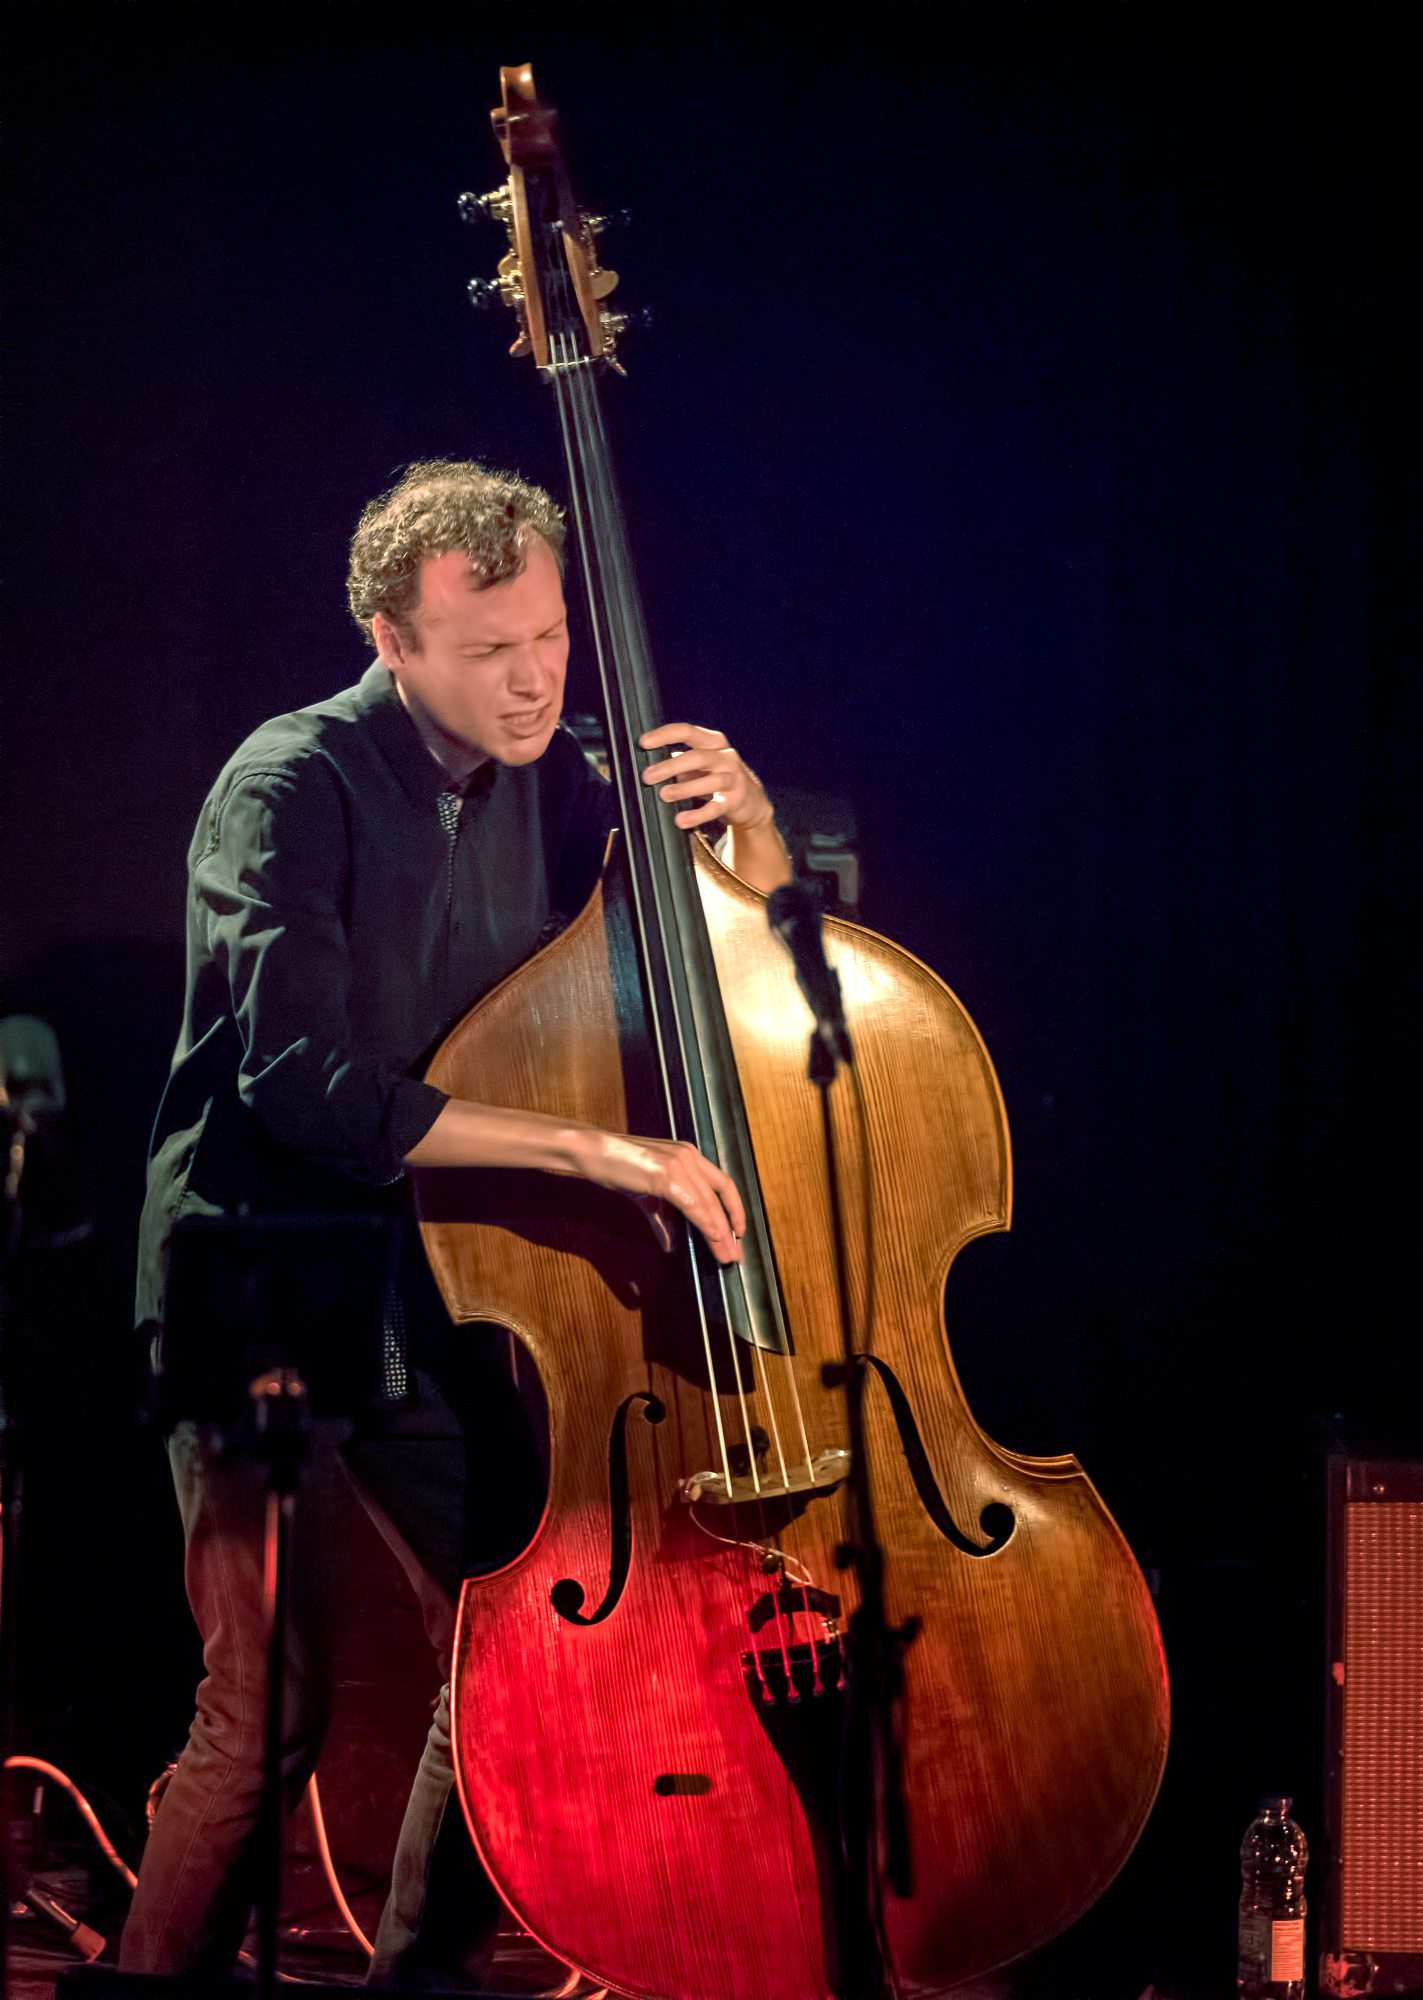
{"type": "Point", "coordinates": [568, 1595]}
{"type": "Point", "coordinates": [996, 1520]}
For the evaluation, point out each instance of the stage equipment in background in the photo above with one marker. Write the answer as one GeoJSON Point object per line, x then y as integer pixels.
{"type": "Point", "coordinates": [648, 1708]}
{"type": "Point", "coordinates": [822, 832]}
{"type": "Point", "coordinates": [26, 1888]}
{"type": "Point", "coordinates": [31, 1094]}
{"type": "Point", "coordinates": [1372, 1933]}
{"type": "Point", "coordinates": [592, 739]}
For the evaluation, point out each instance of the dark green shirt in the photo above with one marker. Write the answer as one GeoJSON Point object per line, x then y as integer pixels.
{"type": "Point", "coordinates": [341, 919]}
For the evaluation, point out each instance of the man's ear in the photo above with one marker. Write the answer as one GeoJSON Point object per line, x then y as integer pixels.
{"type": "Point", "coordinates": [392, 645]}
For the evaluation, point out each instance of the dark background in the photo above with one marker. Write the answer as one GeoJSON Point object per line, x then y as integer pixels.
{"type": "Point", "coordinates": [1025, 447]}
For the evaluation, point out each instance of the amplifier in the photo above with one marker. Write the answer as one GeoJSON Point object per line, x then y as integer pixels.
{"type": "Point", "coordinates": [1372, 1932]}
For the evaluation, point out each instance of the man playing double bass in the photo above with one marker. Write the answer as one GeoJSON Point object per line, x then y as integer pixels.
{"type": "Point", "coordinates": [361, 873]}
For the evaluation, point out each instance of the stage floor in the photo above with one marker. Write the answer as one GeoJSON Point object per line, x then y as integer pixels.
{"type": "Point", "coordinates": [38, 1958]}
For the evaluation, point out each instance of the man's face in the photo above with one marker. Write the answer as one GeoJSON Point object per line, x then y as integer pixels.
{"type": "Point", "coordinates": [488, 676]}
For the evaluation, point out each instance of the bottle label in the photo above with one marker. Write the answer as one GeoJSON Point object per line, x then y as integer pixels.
{"type": "Point", "coordinates": [1287, 1949]}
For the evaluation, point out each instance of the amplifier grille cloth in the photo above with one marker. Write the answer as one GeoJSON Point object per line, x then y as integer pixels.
{"type": "Point", "coordinates": [1382, 1858]}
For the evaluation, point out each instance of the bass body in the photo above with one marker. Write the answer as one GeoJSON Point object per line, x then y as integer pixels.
{"type": "Point", "coordinates": [644, 1807]}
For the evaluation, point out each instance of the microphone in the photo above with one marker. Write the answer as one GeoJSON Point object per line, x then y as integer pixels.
{"type": "Point", "coordinates": [793, 912]}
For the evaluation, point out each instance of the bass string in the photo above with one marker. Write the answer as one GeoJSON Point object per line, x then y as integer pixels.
{"type": "Point", "coordinates": [604, 539]}
{"type": "Point", "coordinates": [601, 458]}
{"type": "Point", "coordinates": [615, 571]}
{"type": "Point", "coordinates": [595, 542]}
{"type": "Point", "coordinates": [602, 535]}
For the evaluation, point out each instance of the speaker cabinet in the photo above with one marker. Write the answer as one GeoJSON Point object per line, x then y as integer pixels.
{"type": "Point", "coordinates": [1372, 1935]}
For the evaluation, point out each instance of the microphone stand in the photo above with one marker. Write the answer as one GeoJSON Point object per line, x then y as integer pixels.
{"type": "Point", "coordinates": [280, 1440]}
{"type": "Point", "coordinates": [873, 1817]}
{"type": "Point", "coordinates": [15, 1127]}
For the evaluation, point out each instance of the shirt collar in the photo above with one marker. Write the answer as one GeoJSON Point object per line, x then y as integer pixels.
{"type": "Point", "coordinates": [422, 777]}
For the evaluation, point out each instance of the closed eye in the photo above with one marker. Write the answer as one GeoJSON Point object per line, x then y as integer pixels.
{"type": "Point", "coordinates": [503, 645]}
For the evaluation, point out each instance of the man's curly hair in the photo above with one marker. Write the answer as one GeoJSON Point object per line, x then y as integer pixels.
{"type": "Point", "coordinates": [438, 505]}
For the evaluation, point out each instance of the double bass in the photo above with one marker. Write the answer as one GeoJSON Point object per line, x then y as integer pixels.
{"type": "Point", "coordinates": [648, 1702]}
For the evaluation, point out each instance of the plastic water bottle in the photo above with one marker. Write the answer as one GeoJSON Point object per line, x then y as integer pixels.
{"type": "Point", "coordinates": [1273, 1856]}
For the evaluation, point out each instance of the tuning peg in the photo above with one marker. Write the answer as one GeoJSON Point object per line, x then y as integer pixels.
{"type": "Point", "coordinates": [491, 207]}
{"type": "Point", "coordinates": [481, 293]}
{"type": "Point", "coordinates": [617, 324]}
{"type": "Point", "coordinates": [616, 218]}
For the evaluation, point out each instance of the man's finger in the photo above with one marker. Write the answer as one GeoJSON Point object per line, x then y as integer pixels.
{"type": "Point", "coordinates": [714, 1205]}
{"type": "Point", "coordinates": [695, 816]}
{"type": "Point", "coordinates": [706, 1214]}
{"type": "Point", "coordinates": [729, 1197]}
{"type": "Point", "coordinates": [683, 732]}
{"type": "Point", "coordinates": [703, 786]}
{"type": "Point", "coordinates": [681, 770]}
{"type": "Point", "coordinates": [678, 782]}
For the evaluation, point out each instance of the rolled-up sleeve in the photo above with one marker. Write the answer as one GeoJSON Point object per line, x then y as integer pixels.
{"type": "Point", "coordinates": [269, 879]}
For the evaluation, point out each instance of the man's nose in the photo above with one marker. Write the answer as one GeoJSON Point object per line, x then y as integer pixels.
{"type": "Point", "coordinates": [526, 671]}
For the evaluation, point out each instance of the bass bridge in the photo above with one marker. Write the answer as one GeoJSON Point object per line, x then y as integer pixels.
{"type": "Point", "coordinates": [743, 1482]}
